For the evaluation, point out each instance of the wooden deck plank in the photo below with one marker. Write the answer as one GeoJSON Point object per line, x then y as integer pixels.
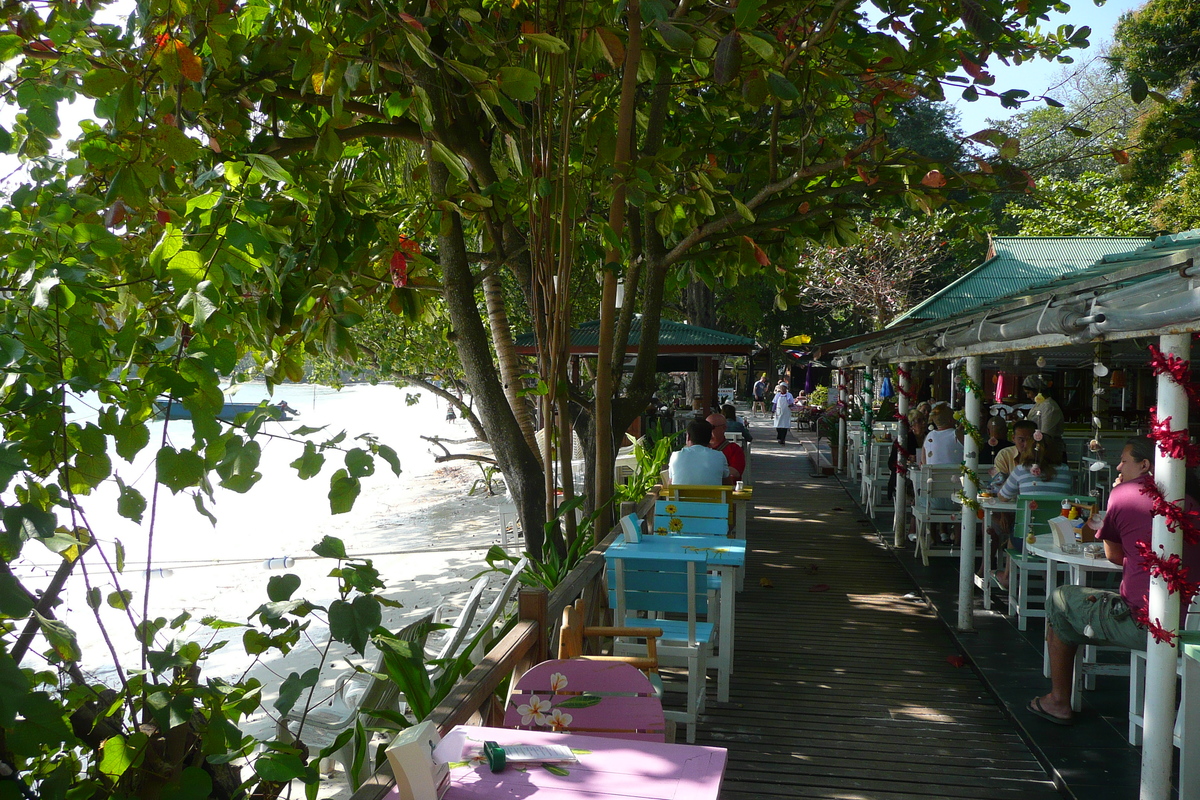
{"type": "Point", "coordinates": [842, 688]}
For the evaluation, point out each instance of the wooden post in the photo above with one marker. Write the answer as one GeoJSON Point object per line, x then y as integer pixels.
{"type": "Point", "coordinates": [531, 605]}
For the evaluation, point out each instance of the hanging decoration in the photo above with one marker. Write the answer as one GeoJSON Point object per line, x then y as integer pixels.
{"type": "Point", "coordinates": [1176, 445]}
{"type": "Point", "coordinates": [906, 384]}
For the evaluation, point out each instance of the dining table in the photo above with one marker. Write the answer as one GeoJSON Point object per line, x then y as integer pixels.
{"type": "Point", "coordinates": [1089, 560]}
{"type": "Point", "coordinates": [726, 557]}
{"type": "Point", "coordinates": [606, 768]}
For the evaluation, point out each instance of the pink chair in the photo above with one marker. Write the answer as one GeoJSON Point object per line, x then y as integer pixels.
{"type": "Point", "coordinates": [578, 695]}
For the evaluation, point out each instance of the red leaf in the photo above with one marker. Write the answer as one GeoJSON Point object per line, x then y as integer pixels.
{"type": "Point", "coordinates": [1120, 156]}
{"type": "Point", "coordinates": [411, 21]}
{"type": "Point", "coordinates": [956, 661]}
{"type": "Point", "coordinates": [934, 179]}
{"type": "Point", "coordinates": [861, 118]}
{"type": "Point", "coordinates": [164, 216]}
{"type": "Point", "coordinates": [976, 71]}
{"type": "Point", "coordinates": [820, 587]}
{"type": "Point", "coordinates": [760, 255]}
{"type": "Point", "coordinates": [399, 270]}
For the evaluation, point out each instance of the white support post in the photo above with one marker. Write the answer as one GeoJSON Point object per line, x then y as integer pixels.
{"type": "Point", "coordinates": [844, 408]}
{"type": "Point", "coordinates": [970, 490]}
{"type": "Point", "coordinates": [899, 526]}
{"type": "Point", "coordinates": [1158, 745]}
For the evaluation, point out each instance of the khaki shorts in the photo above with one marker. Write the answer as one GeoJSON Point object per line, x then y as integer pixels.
{"type": "Point", "coordinates": [1080, 615]}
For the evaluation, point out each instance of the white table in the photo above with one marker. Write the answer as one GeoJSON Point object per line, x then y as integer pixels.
{"type": "Point", "coordinates": [1080, 564]}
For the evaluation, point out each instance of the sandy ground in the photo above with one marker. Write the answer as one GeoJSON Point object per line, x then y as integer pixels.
{"type": "Point", "coordinates": [423, 531]}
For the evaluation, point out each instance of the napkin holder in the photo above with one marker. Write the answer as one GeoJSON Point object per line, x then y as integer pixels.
{"type": "Point", "coordinates": [419, 775]}
{"type": "Point", "coordinates": [1064, 531]}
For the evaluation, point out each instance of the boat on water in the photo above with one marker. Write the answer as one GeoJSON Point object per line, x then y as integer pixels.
{"type": "Point", "coordinates": [280, 412]}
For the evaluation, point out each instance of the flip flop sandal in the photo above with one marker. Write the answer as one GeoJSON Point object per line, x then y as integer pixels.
{"type": "Point", "coordinates": [1035, 708]}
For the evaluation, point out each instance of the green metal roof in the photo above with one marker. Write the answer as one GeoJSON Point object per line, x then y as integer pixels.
{"type": "Point", "coordinates": [1018, 263]}
{"type": "Point", "coordinates": [672, 336]}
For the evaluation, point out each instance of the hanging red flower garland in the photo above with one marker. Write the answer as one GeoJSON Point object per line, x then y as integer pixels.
{"type": "Point", "coordinates": [905, 382]}
{"type": "Point", "coordinates": [1177, 445]}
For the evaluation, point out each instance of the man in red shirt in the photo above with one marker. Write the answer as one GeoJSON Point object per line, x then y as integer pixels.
{"type": "Point", "coordinates": [732, 450]}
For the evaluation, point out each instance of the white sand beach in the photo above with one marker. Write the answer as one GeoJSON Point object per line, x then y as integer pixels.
{"type": "Point", "coordinates": [424, 532]}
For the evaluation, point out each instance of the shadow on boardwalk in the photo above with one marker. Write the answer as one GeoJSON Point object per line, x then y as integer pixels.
{"type": "Point", "coordinates": [842, 687]}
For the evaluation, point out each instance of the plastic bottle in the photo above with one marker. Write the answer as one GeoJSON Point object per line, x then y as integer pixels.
{"type": "Point", "coordinates": [1066, 508]}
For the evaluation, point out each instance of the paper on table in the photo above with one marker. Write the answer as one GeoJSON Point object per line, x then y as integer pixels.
{"type": "Point", "coordinates": [525, 753]}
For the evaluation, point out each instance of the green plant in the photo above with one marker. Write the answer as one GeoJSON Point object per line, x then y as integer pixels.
{"type": "Point", "coordinates": [819, 396]}
{"type": "Point", "coordinates": [652, 453]}
{"type": "Point", "coordinates": [490, 471]}
{"type": "Point", "coordinates": [554, 566]}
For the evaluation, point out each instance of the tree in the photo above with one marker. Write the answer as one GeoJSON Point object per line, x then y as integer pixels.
{"type": "Point", "coordinates": [875, 278]}
{"type": "Point", "coordinates": [1156, 49]}
{"type": "Point", "coordinates": [1087, 205]}
{"type": "Point", "coordinates": [258, 175]}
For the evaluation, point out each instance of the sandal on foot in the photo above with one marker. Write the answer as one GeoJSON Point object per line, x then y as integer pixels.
{"type": "Point", "coordinates": [1035, 708]}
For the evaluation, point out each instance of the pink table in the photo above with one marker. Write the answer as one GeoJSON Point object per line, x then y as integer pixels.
{"type": "Point", "coordinates": [610, 768]}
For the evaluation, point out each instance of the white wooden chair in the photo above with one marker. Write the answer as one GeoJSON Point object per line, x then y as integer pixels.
{"type": "Point", "coordinates": [933, 483]}
{"type": "Point", "coordinates": [1137, 686]}
{"type": "Point", "coordinates": [880, 476]}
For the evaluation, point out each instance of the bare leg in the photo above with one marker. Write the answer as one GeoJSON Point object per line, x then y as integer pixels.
{"type": "Point", "coordinates": [1062, 673]}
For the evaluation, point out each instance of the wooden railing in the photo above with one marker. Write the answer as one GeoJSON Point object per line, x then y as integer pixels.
{"type": "Point", "coordinates": [473, 699]}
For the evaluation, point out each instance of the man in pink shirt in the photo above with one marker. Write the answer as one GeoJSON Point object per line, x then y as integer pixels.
{"type": "Point", "coordinates": [1078, 615]}
{"type": "Point", "coordinates": [731, 450]}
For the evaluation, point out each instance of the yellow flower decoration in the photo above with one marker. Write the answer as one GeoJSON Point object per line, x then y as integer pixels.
{"type": "Point", "coordinates": [676, 524]}
{"type": "Point", "coordinates": [670, 509]}
{"type": "Point", "coordinates": [660, 531]}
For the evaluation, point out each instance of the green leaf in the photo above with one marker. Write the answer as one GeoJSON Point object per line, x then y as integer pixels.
{"type": "Point", "coordinates": [761, 47]}
{"type": "Point", "coordinates": [554, 769]}
{"type": "Point", "coordinates": [131, 504]}
{"type": "Point", "coordinates": [61, 638]}
{"type": "Point", "coordinates": [281, 587]}
{"type": "Point", "coordinates": [673, 37]}
{"type": "Point", "coordinates": [194, 784]}
{"type": "Point", "coordinates": [14, 686]}
{"type": "Point", "coordinates": [120, 600]}
{"type": "Point", "coordinates": [389, 455]}
{"type": "Point", "coordinates": [270, 167]}
{"type": "Point", "coordinates": [742, 209]}
{"type": "Point", "coordinates": [544, 41]}
{"type": "Point", "coordinates": [293, 686]}
{"type": "Point", "coordinates": [330, 547]}
{"type": "Point", "coordinates": [747, 12]}
{"type": "Point", "coordinates": [343, 491]}
{"type": "Point", "coordinates": [178, 469]}
{"type": "Point", "coordinates": [118, 755]}
{"type": "Point", "coordinates": [580, 701]}
{"type": "Point", "coordinates": [15, 602]}
{"type": "Point", "coordinates": [519, 83]}
{"type": "Point", "coordinates": [310, 462]}
{"type": "Point", "coordinates": [354, 622]}
{"type": "Point", "coordinates": [359, 463]}
{"type": "Point", "coordinates": [279, 767]}
{"type": "Point", "coordinates": [1179, 145]}
{"type": "Point", "coordinates": [453, 163]}
{"type": "Point", "coordinates": [781, 87]}
{"type": "Point", "coordinates": [186, 268]}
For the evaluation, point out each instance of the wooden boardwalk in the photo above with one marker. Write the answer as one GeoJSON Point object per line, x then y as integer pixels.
{"type": "Point", "coordinates": [842, 688]}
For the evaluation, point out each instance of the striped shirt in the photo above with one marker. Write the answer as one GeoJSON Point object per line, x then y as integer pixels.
{"type": "Point", "coordinates": [1022, 481]}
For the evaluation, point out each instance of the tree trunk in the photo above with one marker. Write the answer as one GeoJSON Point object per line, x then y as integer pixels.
{"type": "Point", "coordinates": [521, 467]}
{"type": "Point", "coordinates": [506, 357]}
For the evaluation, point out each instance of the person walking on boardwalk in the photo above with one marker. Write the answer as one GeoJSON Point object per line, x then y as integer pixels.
{"type": "Point", "coordinates": [1079, 615]}
{"type": "Point", "coordinates": [783, 412]}
{"type": "Point", "coordinates": [760, 395]}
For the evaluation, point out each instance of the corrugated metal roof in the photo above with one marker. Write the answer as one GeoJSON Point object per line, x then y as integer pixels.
{"type": "Point", "coordinates": [670, 334]}
{"type": "Point", "coordinates": [1017, 264]}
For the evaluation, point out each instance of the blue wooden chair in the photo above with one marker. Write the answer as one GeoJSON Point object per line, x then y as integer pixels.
{"type": "Point", "coordinates": [1026, 573]}
{"type": "Point", "coordinates": [664, 584]}
{"type": "Point", "coordinates": [691, 518]}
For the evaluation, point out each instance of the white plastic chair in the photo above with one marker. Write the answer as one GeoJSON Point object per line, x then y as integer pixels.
{"type": "Point", "coordinates": [933, 482]}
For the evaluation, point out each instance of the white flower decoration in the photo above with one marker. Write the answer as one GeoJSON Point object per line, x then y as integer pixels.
{"type": "Point", "coordinates": [558, 682]}
{"type": "Point", "coordinates": [559, 720]}
{"type": "Point", "coordinates": [535, 711]}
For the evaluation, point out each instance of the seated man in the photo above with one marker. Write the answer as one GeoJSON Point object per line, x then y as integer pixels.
{"type": "Point", "coordinates": [697, 464]}
{"type": "Point", "coordinates": [1079, 615]}
{"type": "Point", "coordinates": [732, 450]}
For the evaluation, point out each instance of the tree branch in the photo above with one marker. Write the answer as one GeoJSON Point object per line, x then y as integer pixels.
{"type": "Point", "coordinates": [384, 130]}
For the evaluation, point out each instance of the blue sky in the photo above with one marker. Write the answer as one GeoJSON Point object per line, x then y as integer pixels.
{"type": "Point", "coordinates": [1038, 77]}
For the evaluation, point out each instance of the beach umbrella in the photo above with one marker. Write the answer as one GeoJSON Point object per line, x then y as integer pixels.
{"type": "Point", "coordinates": [885, 387]}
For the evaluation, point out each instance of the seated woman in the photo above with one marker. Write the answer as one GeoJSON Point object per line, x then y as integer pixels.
{"type": "Point", "coordinates": [1039, 470]}
{"type": "Point", "coordinates": [943, 445]}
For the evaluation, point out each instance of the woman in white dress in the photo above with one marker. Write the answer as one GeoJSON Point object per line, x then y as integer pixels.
{"type": "Point", "coordinates": [783, 412]}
